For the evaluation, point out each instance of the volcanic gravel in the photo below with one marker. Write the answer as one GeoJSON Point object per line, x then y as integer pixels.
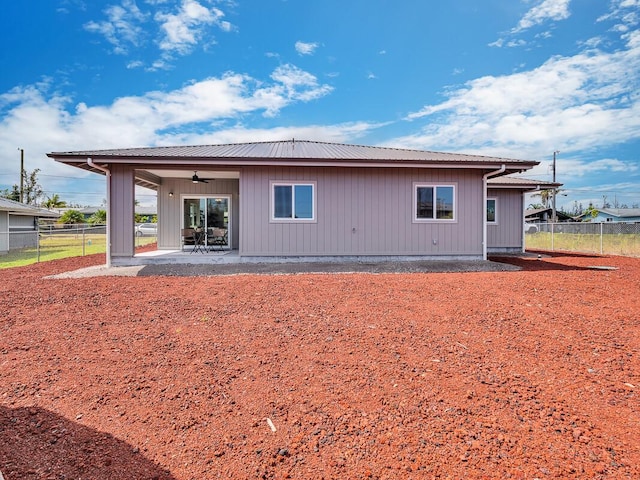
{"type": "Point", "coordinates": [527, 373]}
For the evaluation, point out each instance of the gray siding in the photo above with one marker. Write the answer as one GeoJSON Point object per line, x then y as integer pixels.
{"type": "Point", "coordinates": [121, 226]}
{"type": "Point", "coordinates": [4, 232]}
{"type": "Point", "coordinates": [170, 208]}
{"type": "Point", "coordinates": [22, 222]}
{"type": "Point", "coordinates": [360, 211]}
{"type": "Point", "coordinates": [508, 233]}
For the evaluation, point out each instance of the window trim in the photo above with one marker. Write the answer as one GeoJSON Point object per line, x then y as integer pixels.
{"type": "Point", "coordinates": [292, 184]}
{"type": "Point", "coordinates": [435, 186]}
{"type": "Point", "coordinates": [495, 221]}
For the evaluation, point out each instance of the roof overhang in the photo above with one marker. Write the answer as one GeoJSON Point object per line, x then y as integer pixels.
{"type": "Point", "coordinates": [154, 163]}
{"type": "Point", "coordinates": [525, 185]}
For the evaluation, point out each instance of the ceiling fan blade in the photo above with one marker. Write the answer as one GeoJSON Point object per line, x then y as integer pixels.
{"type": "Point", "coordinates": [196, 179]}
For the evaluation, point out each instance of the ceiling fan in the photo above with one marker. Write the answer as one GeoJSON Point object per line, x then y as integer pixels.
{"type": "Point", "coordinates": [196, 179]}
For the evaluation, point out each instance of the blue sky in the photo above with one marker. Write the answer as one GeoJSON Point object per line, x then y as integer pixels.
{"type": "Point", "coordinates": [517, 78]}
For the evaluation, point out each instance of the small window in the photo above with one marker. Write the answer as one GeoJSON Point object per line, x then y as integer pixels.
{"type": "Point", "coordinates": [292, 202]}
{"type": "Point", "coordinates": [492, 215]}
{"type": "Point", "coordinates": [434, 202]}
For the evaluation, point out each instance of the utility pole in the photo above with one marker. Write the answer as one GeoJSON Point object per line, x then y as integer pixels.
{"type": "Point", "coordinates": [21, 175]}
{"type": "Point", "coordinates": [553, 214]}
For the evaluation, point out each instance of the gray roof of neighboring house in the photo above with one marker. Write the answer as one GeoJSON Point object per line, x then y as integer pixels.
{"type": "Point", "coordinates": [17, 208]}
{"type": "Point", "coordinates": [621, 212]}
{"type": "Point", "coordinates": [289, 150]}
{"type": "Point", "coordinates": [91, 210]}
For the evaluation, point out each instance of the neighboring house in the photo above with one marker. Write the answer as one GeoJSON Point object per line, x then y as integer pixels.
{"type": "Point", "coordinates": [506, 232]}
{"type": "Point", "coordinates": [87, 212]}
{"type": "Point", "coordinates": [616, 215]}
{"type": "Point", "coordinates": [310, 199]}
{"type": "Point", "coordinates": [543, 215]}
{"type": "Point", "coordinates": [19, 224]}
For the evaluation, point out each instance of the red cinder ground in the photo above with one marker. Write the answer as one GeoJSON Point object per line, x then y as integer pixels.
{"type": "Point", "coordinates": [526, 374]}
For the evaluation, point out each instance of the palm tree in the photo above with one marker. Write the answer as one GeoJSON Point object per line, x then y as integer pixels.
{"type": "Point", "coordinates": [71, 217]}
{"type": "Point", "coordinates": [54, 201]}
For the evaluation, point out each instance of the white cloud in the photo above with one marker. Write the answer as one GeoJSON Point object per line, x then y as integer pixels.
{"type": "Point", "coordinates": [626, 10]}
{"type": "Point", "coordinates": [180, 28]}
{"type": "Point", "coordinates": [304, 48]}
{"type": "Point", "coordinates": [567, 103]}
{"type": "Point", "coordinates": [135, 64]}
{"type": "Point", "coordinates": [324, 133]}
{"type": "Point", "coordinates": [122, 28]}
{"type": "Point", "coordinates": [575, 167]}
{"type": "Point", "coordinates": [184, 29]}
{"type": "Point", "coordinates": [41, 122]}
{"type": "Point", "coordinates": [541, 13]}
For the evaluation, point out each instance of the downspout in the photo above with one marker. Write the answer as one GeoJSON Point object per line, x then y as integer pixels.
{"type": "Point", "coordinates": [107, 172]}
{"type": "Point", "coordinates": [486, 177]}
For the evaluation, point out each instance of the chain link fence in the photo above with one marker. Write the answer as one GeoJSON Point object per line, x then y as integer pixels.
{"type": "Point", "coordinates": [50, 242]}
{"type": "Point", "coordinates": [605, 238]}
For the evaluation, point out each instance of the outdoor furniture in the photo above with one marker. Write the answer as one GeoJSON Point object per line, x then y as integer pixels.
{"type": "Point", "coordinates": [187, 236]}
{"type": "Point", "coordinates": [198, 241]}
{"type": "Point", "coordinates": [217, 237]}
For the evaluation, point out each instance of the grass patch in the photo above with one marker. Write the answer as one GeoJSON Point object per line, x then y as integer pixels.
{"type": "Point", "coordinates": [54, 247]}
{"type": "Point", "coordinates": [608, 244]}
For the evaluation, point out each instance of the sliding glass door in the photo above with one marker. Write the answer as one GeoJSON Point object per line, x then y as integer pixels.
{"type": "Point", "coordinates": [206, 214]}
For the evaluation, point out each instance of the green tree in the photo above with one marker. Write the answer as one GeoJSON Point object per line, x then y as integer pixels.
{"type": "Point", "coordinates": [590, 213]}
{"type": "Point", "coordinates": [71, 217]}
{"type": "Point", "coordinates": [54, 201]}
{"type": "Point", "coordinates": [545, 196]}
{"type": "Point", "coordinates": [32, 191]}
{"type": "Point", "coordinates": [12, 193]}
{"type": "Point", "coordinates": [98, 218]}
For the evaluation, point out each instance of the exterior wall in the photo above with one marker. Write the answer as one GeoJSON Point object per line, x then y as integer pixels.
{"type": "Point", "coordinates": [170, 208]}
{"type": "Point", "coordinates": [121, 210]}
{"type": "Point", "coordinates": [4, 232]}
{"type": "Point", "coordinates": [22, 231]}
{"type": "Point", "coordinates": [22, 222]}
{"type": "Point", "coordinates": [606, 217]}
{"type": "Point", "coordinates": [360, 212]}
{"type": "Point", "coordinates": [508, 233]}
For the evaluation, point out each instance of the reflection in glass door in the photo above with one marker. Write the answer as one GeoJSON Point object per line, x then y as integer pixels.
{"type": "Point", "coordinates": [209, 215]}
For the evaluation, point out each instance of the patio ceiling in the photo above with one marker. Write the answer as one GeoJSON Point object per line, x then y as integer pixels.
{"type": "Point", "coordinates": [152, 178]}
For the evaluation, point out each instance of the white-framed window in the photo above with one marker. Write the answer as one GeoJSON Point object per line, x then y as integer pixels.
{"type": "Point", "coordinates": [293, 201]}
{"type": "Point", "coordinates": [492, 210]}
{"type": "Point", "coordinates": [434, 203]}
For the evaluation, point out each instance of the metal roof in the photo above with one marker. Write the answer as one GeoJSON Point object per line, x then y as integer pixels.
{"type": "Point", "coordinates": [523, 183]}
{"type": "Point", "coordinates": [292, 150]}
{"type": "Point", "coordinates": [17, 208]}
{"type": "Point", "coordinates": [621, 212]}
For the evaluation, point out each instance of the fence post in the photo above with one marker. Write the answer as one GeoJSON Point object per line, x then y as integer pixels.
{"type": "Point", "coordinates": [601, 238]}
{"type": "Point", "coordinates": [83, 230]}
{"type": "Point", "coordinates": [38, 243]}
{"type": "Point", "coordinates": [552, 236]}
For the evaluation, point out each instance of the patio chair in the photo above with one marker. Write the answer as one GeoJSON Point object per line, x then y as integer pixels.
{"type": "Point", "coordinates": [187, 236]}
{"type": "Point", "coordinates": [217, 237]}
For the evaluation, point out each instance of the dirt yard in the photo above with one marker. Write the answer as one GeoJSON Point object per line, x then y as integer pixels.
{"type": "Point", "coordinates": [530, 374]}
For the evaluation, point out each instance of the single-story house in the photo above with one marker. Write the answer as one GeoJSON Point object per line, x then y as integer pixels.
{"type": "Point", "coordinates": [543, 215]}
{"type": "Point", "coordinates": [147, 213]}
{"type": "Point", "coordinates": [314, 199]}
{"type": "Point", "coordinates": [19, 224]}
{"type": "Point", "coordinates": [617, 215]}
